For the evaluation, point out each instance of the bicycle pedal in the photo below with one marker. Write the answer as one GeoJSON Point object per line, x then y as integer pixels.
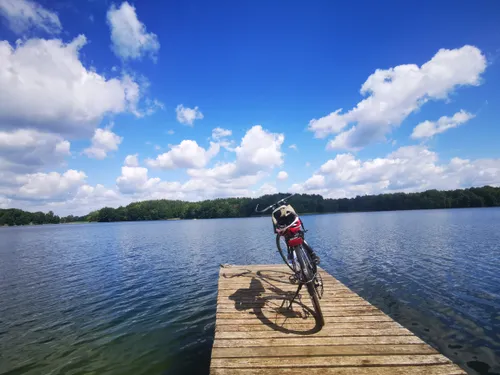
{"type": "Point", "coordinates": [293, 279]}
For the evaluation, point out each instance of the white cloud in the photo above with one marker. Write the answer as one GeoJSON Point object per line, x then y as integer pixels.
{"type": "Point", "coordinates": [199, 188]}
{"type": "Point", "coordinates": [329, 124]}
{"type": "Point", "coordinates": [24, 15]}
{"type": "Point", "coordinates": [134, 179]}
{"type": "Point", "coordinates": [342, 141]}
{"type": "Point", "coordinates": [315, 182]}
{"type": "Point", "coordinates": [135, 182]}
{"type": "Point", "coordinates": [308, 164]}
{"type": "Point", "coordinates": [45, 186]}
{"type": "Point", "coordinates": [293, 147]}
{"type": "Point", "coordinates": [170, 132]}
{"type": "Point", "coordinates": [395, 93]}
{"type": "Point", "coordinates": [132, 95]}
{"type": "Point", "coordinates": [219, 133]}
{"type": "Point", "coordinates": [428, 129]}
{"type": "Point", "coordinates": [187, 115]}
{"type": "Point", "coordinates": [282, 175]}
{"type": "Point", "coordinates": [5, 202]}
{"type": "Point", "coordinates": [222, 172]}
{"type": "Point", "coordinates": [93, 192]}
{"type": "Point", "coordinates": [258, 153]}
{"type": "Point", "coordinates": [410, 168]}
{"type": "Point", "coordinates": [103, 141]}
{"type": "Point", "coordinates": [89, 198]}
{"type": "Point", "coordinates": [266, 189]}
{"type": "Point", "coordinates": [129, 37]}
{"type": "Point", "coordinates": [78, 200]}
{"type": "Point", "coordinates": [131, 161]}
{"type": "Point", "coordinates": [259, 149]}
{"type": "Point", "coordinates": [152, 106]}
{"type": "Point", "coordinates": [46, 87]}
{"type": "Point", "coordinates": [187, 154]}
{"type": "Point", "coordinates": [69, 193]}
{"type": "Point", "coordinates": [25, 151]}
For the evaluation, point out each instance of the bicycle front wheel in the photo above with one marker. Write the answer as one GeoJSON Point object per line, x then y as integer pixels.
{"type": "Point", "coordinates": [283, 250]}
{"type": "Point", "coordinates": [309, 275]}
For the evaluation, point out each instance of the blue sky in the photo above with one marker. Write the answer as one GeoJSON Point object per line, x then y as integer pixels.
{"type": "Point", "coordinates": [89, 83]}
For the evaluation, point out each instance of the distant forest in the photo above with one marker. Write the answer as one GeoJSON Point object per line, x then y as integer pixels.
{"type": "Point", "coordinates": [486, 196]}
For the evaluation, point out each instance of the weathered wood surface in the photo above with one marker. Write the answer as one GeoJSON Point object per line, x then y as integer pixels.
{"type": "Point", "coordinates": [255, 335]}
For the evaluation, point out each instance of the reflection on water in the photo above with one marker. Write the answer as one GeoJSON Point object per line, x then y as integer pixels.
{"type": "Point", "coordinates": [139, 298]}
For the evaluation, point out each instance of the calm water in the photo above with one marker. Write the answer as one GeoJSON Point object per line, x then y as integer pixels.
{"type": "Point", "coordinates": [139, 298]}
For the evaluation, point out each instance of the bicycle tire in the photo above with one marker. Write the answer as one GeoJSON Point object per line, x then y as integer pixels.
{"type": "Point", "coordinates": [280, 250]}
{"type": "Point", "coordinates": [315, 300]}
{"type": "Point", "coordinates": [308, 273]}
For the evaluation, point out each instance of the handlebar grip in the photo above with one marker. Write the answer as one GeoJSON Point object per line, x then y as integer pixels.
{"type": "Point", "coordinates": [282, 200]}
{"type": "Point", "coordinates": [262, 211]}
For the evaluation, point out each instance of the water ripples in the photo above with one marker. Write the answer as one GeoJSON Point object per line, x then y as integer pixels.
{"type": "Point", "coordinates": [140, 298]}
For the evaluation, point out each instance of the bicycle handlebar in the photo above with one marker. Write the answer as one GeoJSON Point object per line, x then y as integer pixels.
{"type": "Point", "coordinates": [283, 200]}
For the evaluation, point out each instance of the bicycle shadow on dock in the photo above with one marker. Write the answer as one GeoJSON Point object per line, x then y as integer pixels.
{"type": "Point", "coordinates": [272, 310]}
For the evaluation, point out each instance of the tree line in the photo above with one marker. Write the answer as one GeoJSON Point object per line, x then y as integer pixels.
{"type": "Point", "coordinates": [13, 216]}
{"type": "Point", "coordinates": [163, 209]}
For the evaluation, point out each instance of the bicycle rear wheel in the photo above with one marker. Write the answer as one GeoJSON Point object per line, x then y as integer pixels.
{"type": "Point", "coordinates": [309, 275]}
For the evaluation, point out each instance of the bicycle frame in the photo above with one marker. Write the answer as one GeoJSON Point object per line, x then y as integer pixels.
{"type": "Point", "coordinates": [287, 225]}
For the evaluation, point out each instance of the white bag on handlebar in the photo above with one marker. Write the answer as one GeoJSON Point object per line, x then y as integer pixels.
{"type": "Point", "coordinates": [284, 216]}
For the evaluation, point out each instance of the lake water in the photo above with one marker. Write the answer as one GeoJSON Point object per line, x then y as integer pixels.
{"type": "Point", "coordinates": [140, 298]}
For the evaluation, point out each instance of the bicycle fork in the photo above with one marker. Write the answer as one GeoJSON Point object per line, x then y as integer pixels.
{"type": "Point", "coordinates": [293, 279]}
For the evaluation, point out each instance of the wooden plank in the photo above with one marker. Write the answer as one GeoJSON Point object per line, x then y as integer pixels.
{"type": "Point", "coordinates": [327, 299]}
{"type": "Point", "coordinates": [323, 361]}
{"type": "Point", "coordinates": [446, 369]}
{"type": "Point", "coordinates": [246, 309]}
{"type": "Point", "coordinates": [253, 281]}
{"type": "Point", "coordinates": [297, 340]}
{"type": "Point", "coordinates": [268, 280]}
{"type": "Point", "coordinates": [328, 320]}
{"type": "Point", "coordinates": [275, 297]}
{"type": "Point", "coordinates": [254, 334]}
{"type": "Point", "coordinates": [304, 325]}
{"type": "Point", "coordinates": [281, 289]}
{"type": "Point", "coordinates": [267, 309]}
{"type": "Point", "coordinates": [262, 314]}
{"type": "Point", "coordinates": [274, 303]}
{"type": "Point", "coordinates": [324, 332]}
{"type": "Point", "coordinates": [270, 298]}
{"type": "Point", "coordinates": [285, 289]}
{"type": "Point", "coordinates": [278, 291]}
{"type": "Point", "coordinates": [278, 301]}
{"type": "Point", "coordinates": [301, 351]}
{"type": "Point", "coordinates": [240, 289]}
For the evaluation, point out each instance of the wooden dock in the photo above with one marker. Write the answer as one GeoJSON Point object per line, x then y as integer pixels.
{"type": "Point", "coordinates": [255, 335]}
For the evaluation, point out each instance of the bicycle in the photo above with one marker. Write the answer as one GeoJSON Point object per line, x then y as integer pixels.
{"type": "Point", "coordinates": [300, 257]}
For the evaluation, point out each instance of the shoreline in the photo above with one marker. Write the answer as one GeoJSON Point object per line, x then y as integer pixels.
{"type": "Point", "coordinates": [242, 217]}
